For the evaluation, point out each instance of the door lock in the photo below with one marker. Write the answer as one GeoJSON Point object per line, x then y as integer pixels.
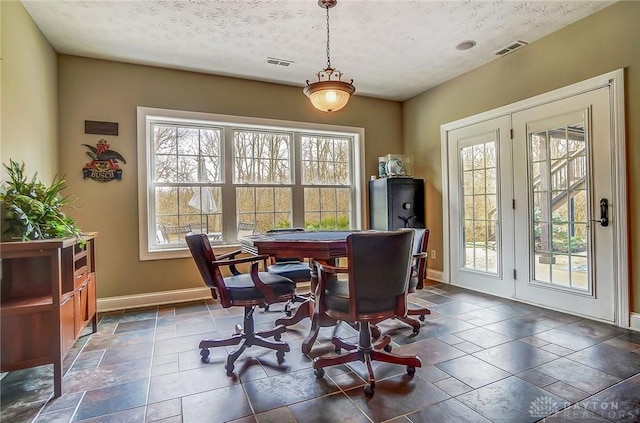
{"type": "Point", "coordinates": [604, 213]}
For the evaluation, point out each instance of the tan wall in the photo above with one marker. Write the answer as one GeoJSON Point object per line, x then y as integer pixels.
{"type": "Point", "coordinates": [102, 90]}
{"type": "Point", "coordinates": [29, 94]}
{"type": "Point", "coordinates": [600, 43]}
{"type": "Point", "coordinates": [109, 91]}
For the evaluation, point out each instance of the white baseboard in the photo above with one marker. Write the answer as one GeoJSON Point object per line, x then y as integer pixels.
{"type": "Point", "coordinates": [179, 296]}
{"type": "Point", "coordinates": [434, 275]}
{"type": "Point", "coordinates": [152, 299]}
{"type": "Point", "coordinates": [634, 321]}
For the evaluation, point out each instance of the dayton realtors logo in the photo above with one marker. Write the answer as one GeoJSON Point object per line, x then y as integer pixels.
{"type": "Point", "coordinates": [546, 406]}
{"type": "Point", "coordinates": [543, 406]}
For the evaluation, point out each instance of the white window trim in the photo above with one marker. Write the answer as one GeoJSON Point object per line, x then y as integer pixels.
{"type": "Point", "coordinates": [146, 114]}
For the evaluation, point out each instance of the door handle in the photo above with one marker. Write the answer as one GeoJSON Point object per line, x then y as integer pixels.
{"type": "Point", "coordinates": [604, 212]}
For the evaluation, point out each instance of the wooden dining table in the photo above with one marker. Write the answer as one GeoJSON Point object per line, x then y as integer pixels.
{"type": "Point", "coordinates": [312, 245]}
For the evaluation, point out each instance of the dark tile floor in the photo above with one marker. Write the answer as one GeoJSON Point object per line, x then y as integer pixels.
{"type": "Point", "coordinates": [484, 359]}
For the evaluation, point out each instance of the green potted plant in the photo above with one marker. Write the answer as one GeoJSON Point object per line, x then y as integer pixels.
{"type": "Point", "coordinates": [31, 210]}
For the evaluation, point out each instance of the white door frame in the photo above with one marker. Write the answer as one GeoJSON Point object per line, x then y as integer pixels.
{"type": "Point", "coordinates": [615, 80]}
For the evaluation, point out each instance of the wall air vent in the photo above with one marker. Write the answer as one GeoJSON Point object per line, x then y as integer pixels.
{"type": "Point", "coordinates": [511, 47]}
{"type": "Point", "coordinates": [278, 62]}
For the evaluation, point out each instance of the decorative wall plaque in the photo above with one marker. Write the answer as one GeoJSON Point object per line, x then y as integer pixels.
{"type": "Point", "coordinates": [100, 128]}
{"type": "Point", "coordinates": [104, 163]}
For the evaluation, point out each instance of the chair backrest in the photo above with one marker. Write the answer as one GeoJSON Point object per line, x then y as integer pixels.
{"type": "Point", "coordinates": [419, 268]}
{"type": "Point", "coordinates": [245, 229]}
{"type": "Point", "coordinates": [379, 271]}
{"type": "Point", "coordinates": [204, 257]}
{"type": "Point", "coordinates": [285, 230]}
{"type": "Point", "coordinates": [167, 230]}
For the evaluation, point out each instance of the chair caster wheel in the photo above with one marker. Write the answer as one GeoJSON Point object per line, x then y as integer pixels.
{"type": "Point", "coordinates": [369, 390]}
{"type": "Point", "coordinates": [416, 331]}
{"type": "Point", "coordinates": [204, 355]}
{"type": "Point", "coordinates": [266, 307]}
{"type": "Point", "coordinates": [288, 313]}
{"type": "Point", "coordinates": [319, 373]}
{"type": "Point", "coordinates": [388, 348]}
{"type": "Point", "coordinates": [337, 350]}
{"type": "Point", "coordinates": [280, 356]}
{"type": "Point", "coordinates": [238, 329]}
{"type": "Point", "coordinates": [277, 337]}
{"type": "Point", "coordinates": [422, 318]}
{"type": "Point", "coordinates": [411, 370]}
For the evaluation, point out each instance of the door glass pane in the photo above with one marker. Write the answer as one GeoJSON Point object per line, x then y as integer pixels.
{"type": "Point", "coordinates": [480, 215]}
{"type": "Point", "coordinates": [558, 190]}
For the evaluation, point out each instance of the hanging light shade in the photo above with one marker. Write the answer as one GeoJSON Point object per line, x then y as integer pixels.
{"type": "Point", "coordinates": [329, 93]}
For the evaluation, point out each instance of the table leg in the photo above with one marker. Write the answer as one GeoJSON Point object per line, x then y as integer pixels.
{"type": "Point", "coordinates": [310, 339]}
{"type": "Point", "coordinates": [310, 309]}
{"type": "Point", "coordinates": [304, 310]}
{"type": "Point", "coordinates": [319, 318]}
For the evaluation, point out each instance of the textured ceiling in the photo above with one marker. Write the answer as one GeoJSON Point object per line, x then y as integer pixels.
{"type": "Point", "coordinates": [392, 49]}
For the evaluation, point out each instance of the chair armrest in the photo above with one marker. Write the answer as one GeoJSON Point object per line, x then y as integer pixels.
{"type": "Point", "coordinates": [324, 269]}
{"type": "Point", "coordinates": [420, 274]}
{"type": "Point", "coordinates": [227, 262]}
{"type": "Point", "coordinates": [265, 289]}
{"type": "Point", "coordinates": [328, 268]}
{"type": "Point", "coordinates": [229, 254]}
{"type": "Point", "coordinates": [232, 262]}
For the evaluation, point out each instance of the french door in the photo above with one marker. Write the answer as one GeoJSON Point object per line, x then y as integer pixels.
{"type": "Point", "coordinates": [530, 204]}
{"type": "Point", "coordinates": [481, 217]}
{"type": "Point", "coordinates": [563, 195]}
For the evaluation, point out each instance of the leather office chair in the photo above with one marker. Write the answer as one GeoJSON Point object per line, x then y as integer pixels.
{"type": "Point", "coordinates": [418, 274]}
{"type": "Point", "coordinates": [247, 290]}
{"type": "Point", "coordinates": [293, 268]}
{"type": "Point", "coordinates": [379, 270]}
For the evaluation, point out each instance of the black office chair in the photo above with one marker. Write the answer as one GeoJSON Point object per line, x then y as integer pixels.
{"type": "Point", "coordinates": [240, 289]}
{"type": "Point", "coordinates": [293, 268]}
{"type": "Point", "coordinates": [418, 274]}
{"type": "Point", "coordinates": [379, 270]}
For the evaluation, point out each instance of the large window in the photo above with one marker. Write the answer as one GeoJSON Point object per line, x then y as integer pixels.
{"type": "Point", "coordinates": [227, 176]}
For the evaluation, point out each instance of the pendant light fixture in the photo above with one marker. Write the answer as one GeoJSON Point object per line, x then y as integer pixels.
{"type": "Point", "coordinates": [329, 93]}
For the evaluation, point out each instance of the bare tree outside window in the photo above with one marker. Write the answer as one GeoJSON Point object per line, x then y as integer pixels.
{"type": "Point", "coordinates": [326, 175]}
{"type": "Point", "coordinates": [189, 182]}
{"type": "Point", "coordinates": [186, 159]}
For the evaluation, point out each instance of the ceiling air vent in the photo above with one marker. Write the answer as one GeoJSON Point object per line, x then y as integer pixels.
{"type": "Point", "coordinates": [511, 47]}
{"type": "Point", "coordinates": [278, 62]}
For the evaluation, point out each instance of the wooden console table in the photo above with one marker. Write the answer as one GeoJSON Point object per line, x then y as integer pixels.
{"type": "Point", "coordinates": [48, 297]}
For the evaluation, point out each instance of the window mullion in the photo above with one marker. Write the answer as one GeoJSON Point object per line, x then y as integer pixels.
{"type": "Point", "coordinates": [297, 189]}
{"type": "Point", "coordinates": [229, 224]}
